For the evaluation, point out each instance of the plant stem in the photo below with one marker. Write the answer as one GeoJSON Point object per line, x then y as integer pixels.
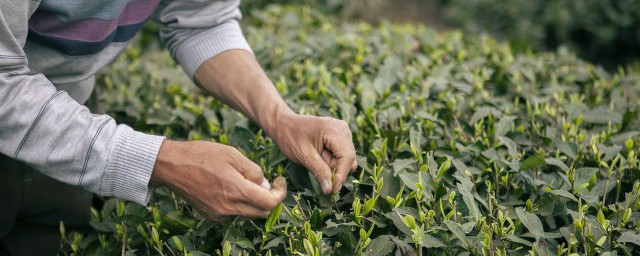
{"type": "Point", "coordinates": [618, 189]}
{"type": "Point", "coordinates": [584, 238]}
{"type": "Point", "coordinates": [124, 237]}
{"type": "Point", "coordinates": [606, 188]}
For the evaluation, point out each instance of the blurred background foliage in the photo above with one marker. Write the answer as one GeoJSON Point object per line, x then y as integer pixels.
{"type": "Point", "coordinates": [605, 32]}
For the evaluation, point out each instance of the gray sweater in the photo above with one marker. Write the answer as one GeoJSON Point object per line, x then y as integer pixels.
{"type": "Point", "coordinates": [49, 53]}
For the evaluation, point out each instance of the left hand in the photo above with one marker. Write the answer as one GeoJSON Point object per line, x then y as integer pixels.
{"type": "Point", "coordinates": [321, 144]}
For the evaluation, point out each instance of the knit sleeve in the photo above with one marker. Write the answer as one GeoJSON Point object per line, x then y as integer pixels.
{"type": "Point", "coordinates": [49, 131]}
{"type": "Point", "coordinates": [196, 30]}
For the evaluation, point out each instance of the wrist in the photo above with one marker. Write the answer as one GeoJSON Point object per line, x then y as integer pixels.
{"type": "Point", "coordinates": [167, 161]}
{"type": "Point", "coordinates": [272, 123]}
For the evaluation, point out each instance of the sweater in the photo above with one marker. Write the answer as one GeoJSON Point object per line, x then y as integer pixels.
{"type": "Point", "coordinates": [50, 51]}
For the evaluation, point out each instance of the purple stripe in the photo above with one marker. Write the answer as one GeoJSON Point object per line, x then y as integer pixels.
{"type": "Point", "coordinates": [91, 30]}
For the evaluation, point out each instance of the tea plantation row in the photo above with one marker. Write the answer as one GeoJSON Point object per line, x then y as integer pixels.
{"type": "Point", "coordinates": [465, 148]}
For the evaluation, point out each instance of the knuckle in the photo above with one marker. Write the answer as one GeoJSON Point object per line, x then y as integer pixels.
{"type": "Point", "coordinates": [255, 168]}
{"type": "Point", "coordinates": [225, 148]}
{"type": "Point", "coordinates": [234, 152]}
{"type": "Point", "coordinates": [332, 131]}
{"type": "Point", "coordinates": [231, 197]}
{"type": "Point", "coordinates": [307, 155]}
{"type": "Point", "coordinates": [317, 173]}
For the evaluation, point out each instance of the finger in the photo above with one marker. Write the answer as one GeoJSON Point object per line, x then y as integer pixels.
{"type": "Point", "coordinates": [263, 199]}
{"type": "Point", "coordinates": [250, 170]}
{"type": "Point", "coordinates": [354, 166]}
{"type": "Point", "coordinates": [328, 158]}
{"type": "Point", "coordinates": [343, 151]}
{"type": "Point", "coordinates": [250, 211]}
{"type": "Point", "coordinates": [320, 169]}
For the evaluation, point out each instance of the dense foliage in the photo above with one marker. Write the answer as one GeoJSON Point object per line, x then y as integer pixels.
{"type": "Point", "coordinates": [465, 148]}
{"type": "Point", "coordinates": [607, 32]}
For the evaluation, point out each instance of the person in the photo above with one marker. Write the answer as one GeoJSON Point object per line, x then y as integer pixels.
{"type": "Point", "coordinates": [53, 148]}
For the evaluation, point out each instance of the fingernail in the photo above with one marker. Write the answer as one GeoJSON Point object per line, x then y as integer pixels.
{"type": "Point", "coordinates": [265, 184]}
{"type": "Point", "coordinates": [326, 187]}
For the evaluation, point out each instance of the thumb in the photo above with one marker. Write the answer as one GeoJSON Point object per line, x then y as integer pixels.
{"type": "Point", "coordinates": [319, 169]}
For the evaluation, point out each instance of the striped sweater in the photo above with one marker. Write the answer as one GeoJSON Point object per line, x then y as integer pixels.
{"type": "Point", "coordinates": [50, 51]}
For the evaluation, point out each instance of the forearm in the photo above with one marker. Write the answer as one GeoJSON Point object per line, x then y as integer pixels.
{"type": "Point", "coordinates": [235, 78]}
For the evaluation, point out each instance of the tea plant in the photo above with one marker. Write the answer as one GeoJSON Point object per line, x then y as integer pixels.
{"type": "Point", "coordinates": [464, 148]}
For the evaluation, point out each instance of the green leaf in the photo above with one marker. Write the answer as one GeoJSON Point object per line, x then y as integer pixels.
{"type": "Point", "coordinates": [531, 222]}
{"type": "Point", "coordinates": [273, 217]}
{"type": "Point", "coordinates": [382, 245]}
{"type": "Point", "coordinates": [556, 162]}
{"type": "Point", "coordinates": [409, 221]}
{"type": "Point", "coordinates": [273, 243]}
{"type": "Point", "coordinates": [566, 148]}
{"type": "Point", "coordinates": [396, 217]}
{"type": "Point", "coordinates": [459, 165]}
{"type": "Point", "coordinates": [369, 204]}
{"type": "Point", "coordinates": [427, 116]}
{"type": "Point", "coordinates": [411, 179]}
{"type": "Point", "coordinates": [532, 162]}
{"type": "Point", "coordinates": [401, 164]}
{"type": "Point", "coordinates": [629, 237]}
{"type": "Point", "coordinates": [602, 116]}
{"type": "Point", "coordinates": [179, 220]}
{"type": "Point", "coordinates": [388, 74]}
{"type": "Point", "coordinates": [469, 201]}
{"type": "Point", "coordinates": [503, 126]}
{"type": "Point", "coordinates": [563, 193]}
{"type": "Point", "coordinates": [177, 243]}
{"type": "Point", "coordinates": [481, 113]}
{"type": "Point", "coordinates": [511, 146]}
{"type": "Point", "coordinates": [308, 247]}
{"type": "Point", "coordinates": [242, 242]}
{"type": "Point", "coordinates": [431, 242]}
{"type": "Point", "coordinates": [415, 139]}
{"type": "Point", "coordinates": [226, 248]}
{"type": "Point", "coordinates": [516, 239]}
{"type": "Point", "coordinates": [584, 174]}
{"type": "Point", "coordinates": [457, 230]}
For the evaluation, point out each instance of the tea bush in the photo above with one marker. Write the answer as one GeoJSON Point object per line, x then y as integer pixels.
{"type": "Point", "coordinates": [464, 148]}
{"type": "Point", "coordinates": [607, 32]}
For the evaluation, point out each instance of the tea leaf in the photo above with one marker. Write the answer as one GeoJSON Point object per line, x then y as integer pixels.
{"type": "Point", "coordinates": [273, 217]}
{"type": "Point", "coordinates": [456, 229]}
{"type": "Point", "coordinates": [531, 222]}
{"type": "Point", "coordinates": [629, 237]}
{"type": "Point", "coordinates": [533, 162]}
{"type": "Point", "coordinates": [469, 201]}
{"type": "Point", "coordinates": [431, 242]}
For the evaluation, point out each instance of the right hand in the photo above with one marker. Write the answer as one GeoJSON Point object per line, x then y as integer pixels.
{"type": "Point", "coordinates": [217, 180]}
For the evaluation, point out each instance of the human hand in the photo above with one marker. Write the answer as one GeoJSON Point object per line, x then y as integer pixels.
{"type": "Point", "coordinates": [321, 144]}
{"type": "Point", "coordinates": [217, 180]}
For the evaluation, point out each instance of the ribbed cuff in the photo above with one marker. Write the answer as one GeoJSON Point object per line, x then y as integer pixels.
{"type": "Point", "coordinates": [209, 43]}
{"type": "Point", "coordinates": [129, 170]}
